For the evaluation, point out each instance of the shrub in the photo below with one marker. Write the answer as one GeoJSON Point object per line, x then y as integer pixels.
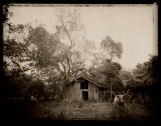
{"type": "Point", "coordinates": [80, 104]}
{"type": "Point", "coordinates": [61, 115]}
{"type": "Point", "coordinates": [134, 112]}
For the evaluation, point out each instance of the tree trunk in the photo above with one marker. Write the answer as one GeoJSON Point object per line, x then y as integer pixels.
{"type": "Point", "coordinates": [111, 92]}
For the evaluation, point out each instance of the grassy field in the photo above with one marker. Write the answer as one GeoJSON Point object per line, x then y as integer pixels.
{"type": "Point", "coordinates": [87, 111]}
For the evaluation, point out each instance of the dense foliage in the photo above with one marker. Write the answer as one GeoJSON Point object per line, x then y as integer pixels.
{"type": "Point", "coordinates": [40, 64]}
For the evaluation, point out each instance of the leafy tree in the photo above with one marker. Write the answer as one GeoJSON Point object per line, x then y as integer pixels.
{"type": "Point", "coordinates": [145, 78]}
{"type": "Point", "coordinates": [15, 53]}
{"type": "Point", "coordinates": [15, 49]}
{"type": "Point", "coordinates": [146, 74]}
{"type": "Point", "coordinates": [126, 76]}
{"type": "Point", "coordinates": [37, 88]}
{"type": "Point", "coordinates": [6, 14]}
{"type": "Point", "coordinates": [111, 48]}
{"type": "Point", "coordinates": [110, 67]}
{"type": "Point", "coordinates": [69, 26]}
{"type": "Point", "coordinates": [15, 83]}
{"type": "Point", "coordinates": [111, 70]}
{"type": "Point", "coordinates": [41, 52]}
{"type": "Point", "coordinates": [89, 46]}
{"type": "Point", "coordinates": [103, 62]}
{"type": "Point", "coordinates": [107, 72]}
{"type": "Point", "coordinates": [69, 31]}
{"type": "Point", "coordinates": [42, 46]}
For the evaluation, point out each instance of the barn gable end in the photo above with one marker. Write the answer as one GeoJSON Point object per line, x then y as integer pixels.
{"type": "Point", "coordinates": [85, 89]}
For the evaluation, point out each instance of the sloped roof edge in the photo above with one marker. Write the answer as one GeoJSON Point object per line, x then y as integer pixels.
{"type": "Point", "coordinates": [90, 81]}
{"type": "Point", "coordinates": [86, 79]}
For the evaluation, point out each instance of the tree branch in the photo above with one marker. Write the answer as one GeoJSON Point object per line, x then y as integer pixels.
{"type": "Point", "coordinates": [59, 69]}
{"type": "Point", "coordinates": [66, 30]}
{"type": "Point", "coordinates": [68, 66]}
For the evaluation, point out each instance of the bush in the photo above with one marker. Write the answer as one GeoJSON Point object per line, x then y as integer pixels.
{"type": "Point", "coordinates": [80, 104]}
{"type": "Point", "coordinates": [148, 100]}
{"type": "Point", "coordinates": [36, 89]}
{"type": "Point", "coordinates": [53, 92]}
{"type": "Point", "coordinates": [15, 84]}
{"type": "Point", "coordinates": [132, 112]}
{"type": "Point", "coordinates": [124, 115]}
{"type": "Point", "coordinates": [61, 115]}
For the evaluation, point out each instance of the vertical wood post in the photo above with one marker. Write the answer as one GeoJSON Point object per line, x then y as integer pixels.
{"type": "Point", "coordinates": [111, 92]}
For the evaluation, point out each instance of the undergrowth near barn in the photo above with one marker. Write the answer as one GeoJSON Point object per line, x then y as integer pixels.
{"type": "Point", "coordinates": [88, 111]}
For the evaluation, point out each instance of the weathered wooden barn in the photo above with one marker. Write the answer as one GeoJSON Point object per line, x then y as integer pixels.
{"type": "Point", "coordinates": [85, 89]}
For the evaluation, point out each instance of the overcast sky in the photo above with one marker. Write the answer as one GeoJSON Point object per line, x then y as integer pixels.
{"type": "Point", "coordinates": [131, 25]}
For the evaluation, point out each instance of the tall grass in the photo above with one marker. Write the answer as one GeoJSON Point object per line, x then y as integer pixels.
{"type": "Point", "coordinates": [132, 112]}
{"type": "Point", "coordinates": [88, 110]}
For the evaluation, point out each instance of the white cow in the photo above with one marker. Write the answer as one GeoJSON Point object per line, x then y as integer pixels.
{"type": "Point", "coordinates": [119, 100]}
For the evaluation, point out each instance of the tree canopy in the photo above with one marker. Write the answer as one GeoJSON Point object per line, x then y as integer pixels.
{"type": "Point", "coordinates": [112, 49]}
{"type": "Point", "coordinates": [37, 61]}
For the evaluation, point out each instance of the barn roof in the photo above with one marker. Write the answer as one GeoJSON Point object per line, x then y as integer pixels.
{"type": "Point", "coordinates": [91, 79]}
{"type": "Point", "coordinates": [101, 80]}
{"type": "Point", "coordinates": [98, 82]}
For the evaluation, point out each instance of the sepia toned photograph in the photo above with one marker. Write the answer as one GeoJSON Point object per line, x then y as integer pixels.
{"type": "Point", "coordinates": [80, 62]}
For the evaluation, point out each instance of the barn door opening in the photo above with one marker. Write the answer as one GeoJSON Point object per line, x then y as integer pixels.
{"type": "Point", "coordinates": [85, 95]}
{"type": "Point", "coordinates": [101, 94]}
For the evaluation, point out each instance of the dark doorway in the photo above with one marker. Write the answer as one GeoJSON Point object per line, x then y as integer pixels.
{"type": "Point", "coordinates": [85, 95]}
{"type": "Point", "coordinates": [84, 84]}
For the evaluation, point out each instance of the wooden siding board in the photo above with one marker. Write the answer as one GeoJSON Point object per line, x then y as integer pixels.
{"type": "Point", "coordinates": [74, 93]}
{"type": "Point", "coordinates": [93, 93]}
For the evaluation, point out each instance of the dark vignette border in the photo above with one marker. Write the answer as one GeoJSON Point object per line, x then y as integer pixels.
{"type": "Point", "coordinates": [4, 11]}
